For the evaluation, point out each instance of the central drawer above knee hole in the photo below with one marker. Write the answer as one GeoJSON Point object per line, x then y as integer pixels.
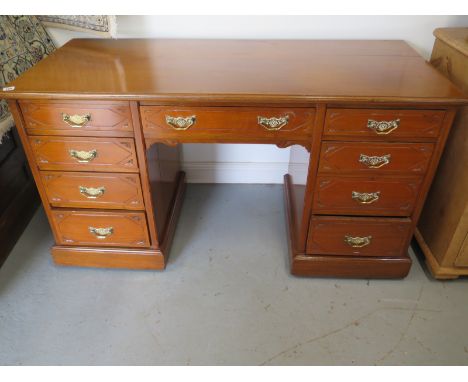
{"type": "Point", "coordinates": [230, 123]}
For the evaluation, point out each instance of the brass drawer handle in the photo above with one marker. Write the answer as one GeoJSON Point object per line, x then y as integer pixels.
{"type": "Point", "coordinates": [180, 123]}
{"type": "Point", "coordinates": [273, 123]}
{"type": "Point", "coordinates": [365, 197]}
{"type": "Point", "coordinates": [357, 241]}
{"type": "Point", "coordinates": [91, 192]}
{"type": "Point", "coordinates": [101, 233]}
{"type": "Point", "coordinates": [76, 120]}
{"type": "Point", "coordinates": [383, 127]}
{"type": "Point", "coordinates": [83, 156]}
{"type": "Point", "coordinates": [374, 161]}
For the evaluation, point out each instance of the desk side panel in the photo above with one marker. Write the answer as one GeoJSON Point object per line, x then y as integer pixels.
{"type": "Point", "coordinates": [163, 169]}
{"type": "Point", "coordinates": [298, 171]}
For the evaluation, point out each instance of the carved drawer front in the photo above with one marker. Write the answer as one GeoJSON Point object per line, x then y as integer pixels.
{"type": "Point", "coordinates": [77, 118]}
{"type": "Point", "coordinates": [84, 154]}
{"type": "Point", "coordinates": [391, 196]}
{"type": "Point", "coordinates": [93, 190]}
{"type": "Point", "coordinates": [376, 158]}
{"type": "Point", "coordinates": [344, 236]}
{"type": "Point", "coordinates": [383, 124]}
{"type": "Point", "coordinates": [110, 229]}
{"type": "Point", "coordinates": [227, 123]}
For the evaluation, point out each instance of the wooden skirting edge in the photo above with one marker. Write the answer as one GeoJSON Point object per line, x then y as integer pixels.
{"type": "Point", "coordinates": [351, 267]}
{"type": "Point", "coordinates": [128, 258]}
{"type": "Point", "coordinates": [439, 272]}
{"type": "Point", "coordinates": [338, 266]}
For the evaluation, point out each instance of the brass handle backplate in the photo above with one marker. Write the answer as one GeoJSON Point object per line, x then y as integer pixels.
{"type": "Point", "coordinates": [357, 241]}
{"type": "Point", "coordinates": [83, 156]}
{"type": "Point", "coordinates": [365, 197]}
{"type": "Point", "coordinates": [374, 161]}
{"type": "Point", "coordinates": [383, 127]}
{"type": "Point", "coordinates": [76, 120]}
{"type": "Point", "coordinates": [101, 233]}
{"type": "Point", "coordinates": [180, 123]}
{"type": "Point", "coordinates": [273, 123]}
{"type": "Point", "coordinates": [91, 192]}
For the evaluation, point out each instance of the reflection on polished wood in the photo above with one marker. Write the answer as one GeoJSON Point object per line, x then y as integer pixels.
{"type": "Point", "coordinates": [185, 70]}
{"type": "Point", "coordinates": [365, 120]}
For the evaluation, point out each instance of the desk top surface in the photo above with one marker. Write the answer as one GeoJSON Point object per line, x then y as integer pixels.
{"type": "Point", "coordinates": [236, 71]}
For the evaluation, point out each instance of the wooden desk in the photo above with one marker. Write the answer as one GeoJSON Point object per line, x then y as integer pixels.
{"type": "Point", "coordinates": [101, 121]}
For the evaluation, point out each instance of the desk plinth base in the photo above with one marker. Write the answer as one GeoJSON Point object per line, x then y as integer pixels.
{"type": "Point", "coordinates": [352, 267]}
{"type": "Point", "coordinates": [127, 258]}
{"type": "Point", "coordinates": [302, 264]}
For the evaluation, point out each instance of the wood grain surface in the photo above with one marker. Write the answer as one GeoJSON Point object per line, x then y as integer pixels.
{"type": "Point", "coordinates": [236, 71]}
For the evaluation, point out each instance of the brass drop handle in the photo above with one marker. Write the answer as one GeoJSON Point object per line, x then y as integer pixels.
{"type": "Point", "coordinates": [357, 241]}
{"type": "Point", "coordinates": [273, 123]}
{"type": "Point", "coordinates": [374, 161]}
{"type": "Point", "coordinates": [181, 123]}
{"type": "Point", "coordinates": [101, 233]}
{"type": "Point", "coordinates": [365, 197]}
{"type": "Point", "coordinates": [383, 127]}
{"type": "Point", "coordinates": [91, 192]}
{"type": "Point", "coordinates": [76, 120]}
{"type": "Point", "coordinates": [83, 156]}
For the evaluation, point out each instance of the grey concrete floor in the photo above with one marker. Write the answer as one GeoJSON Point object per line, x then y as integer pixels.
{"type": "Point", "coordinates": [226, 298]}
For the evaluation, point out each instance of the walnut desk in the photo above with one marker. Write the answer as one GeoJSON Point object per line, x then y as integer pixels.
{"type": "Point", "coordinates": [101, 121]}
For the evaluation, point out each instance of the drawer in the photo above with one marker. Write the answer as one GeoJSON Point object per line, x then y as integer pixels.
{"type": "Point", "coordinates": [383, 124]}
{"type": "Point", "coordinates": [84, 154]}
{"type": "Point", "coordinates": [77, 118]}
{"type": "Point", "coordinates": [387, 196]}
{"type": "Point", "coordinates": [375, 158]}
{"type": "Point", "coordinates": [93, 190]}
{"type": "Point", "coordinates": [110, 229]}
{"type": "Point", "coordinates": [227, 123]}
{"type": "Point", "coordinates": [344, 236]}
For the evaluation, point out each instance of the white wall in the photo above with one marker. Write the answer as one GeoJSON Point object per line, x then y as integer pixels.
{"type": "Point", "coordinates": [267, 163]}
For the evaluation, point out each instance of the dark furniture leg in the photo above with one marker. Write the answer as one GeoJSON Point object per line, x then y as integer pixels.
{"type": "Point", "coordinates": [18, 195]}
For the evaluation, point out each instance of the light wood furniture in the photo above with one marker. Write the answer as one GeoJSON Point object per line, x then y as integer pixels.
{"type": "Point", "coordinates": [101, 121]}
{"type": "Point", "coordinates": [442, 232]}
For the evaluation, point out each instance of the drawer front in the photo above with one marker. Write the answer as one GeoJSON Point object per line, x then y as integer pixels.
{"type": "Point", "coordinates": [383, 124]}
{"type": "Point", "coordinates": [84, 154]}
{"type": "Point", "coordinates": [77, 118]}
{"type": "Point", "coordinates": [110, 229]}
{"type": "Point", "coordinates": [392, 196]}
{"type": "Point", "coordinates": [375, 158]}
{"type": "Point", "coordinates": [345, 236]}
{"type": "Point", "coordinates": [227, 122]}
{"type": "Point", "coordinates": [93, 190]}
